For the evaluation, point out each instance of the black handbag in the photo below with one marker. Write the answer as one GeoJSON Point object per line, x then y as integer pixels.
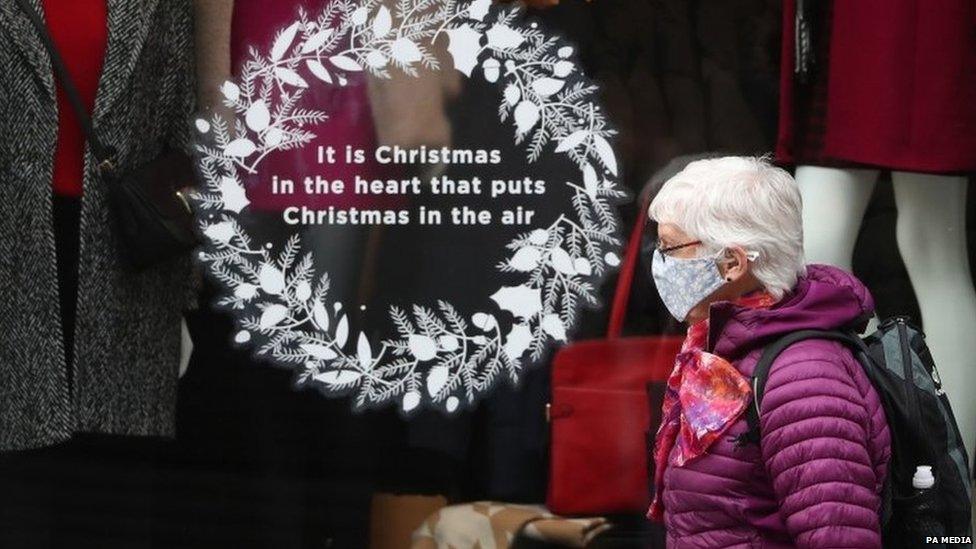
{"type": "Point", "coordinates": [153, 217]}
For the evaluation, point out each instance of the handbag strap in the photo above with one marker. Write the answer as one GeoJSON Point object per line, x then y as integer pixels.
{"type": "Point", "coordinates": [626, 279]}
{"type": "Point", "coordinates": [105, 155]}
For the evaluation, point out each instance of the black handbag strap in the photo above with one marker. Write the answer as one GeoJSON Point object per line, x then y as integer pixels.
{"type": "Point", "coordinates": [105, 155]}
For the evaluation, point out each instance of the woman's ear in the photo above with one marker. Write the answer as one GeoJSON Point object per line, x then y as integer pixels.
{"type": "Point", "coordinates": [735, 264]}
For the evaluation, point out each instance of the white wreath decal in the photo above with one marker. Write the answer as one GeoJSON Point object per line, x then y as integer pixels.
{"type": "Point", "coordinates": [439, 358]}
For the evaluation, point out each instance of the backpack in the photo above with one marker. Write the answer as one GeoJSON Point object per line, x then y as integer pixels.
{"type": "Point", "coordinates": [923, 429]}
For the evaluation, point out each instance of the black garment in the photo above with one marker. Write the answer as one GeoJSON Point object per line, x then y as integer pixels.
{"type": "Point", "coordinates": [66, 212]}
{"type": "Point", "coordinates": [256, 462]}
{"type": "Point", "coordinates": [92, 491]}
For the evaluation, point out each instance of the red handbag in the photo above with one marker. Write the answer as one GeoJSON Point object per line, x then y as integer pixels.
{"type": "Point", "coordinates": [600, 414]}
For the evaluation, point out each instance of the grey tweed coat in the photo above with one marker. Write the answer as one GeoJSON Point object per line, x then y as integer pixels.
{"type": "Point", "coordinates": [127, 340]}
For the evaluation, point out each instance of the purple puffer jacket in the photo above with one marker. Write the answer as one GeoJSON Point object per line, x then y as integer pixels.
{"type": "Point", "coordinates": [815, 479]}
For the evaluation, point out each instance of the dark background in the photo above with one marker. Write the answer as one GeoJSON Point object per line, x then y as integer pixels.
{"type": "Point", "coordinates": [258, 464]}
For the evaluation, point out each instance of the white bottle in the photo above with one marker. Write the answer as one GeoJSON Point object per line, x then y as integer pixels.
{"type": "Point", "coordinates": [925, 516]}
{"type": "Point", "coordinates": [923, 478]}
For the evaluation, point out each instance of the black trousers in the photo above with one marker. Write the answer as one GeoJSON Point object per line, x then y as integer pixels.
{"type": "Point", "coordinates": [66, 213]}
{"type": "Point", "coordinates": [92, 491]}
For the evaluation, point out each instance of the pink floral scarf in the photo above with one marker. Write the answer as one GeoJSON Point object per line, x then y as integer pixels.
{"type": "Point", "coordinates": [705, 394]}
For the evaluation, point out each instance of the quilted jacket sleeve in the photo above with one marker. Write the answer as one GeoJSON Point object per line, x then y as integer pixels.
{"type": "Point", "coordinates": [818, 422]}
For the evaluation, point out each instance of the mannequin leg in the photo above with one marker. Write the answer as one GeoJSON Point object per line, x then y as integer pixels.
{"type": "Point", "coordinates": [834, 201]}
{"type": "Point", "coordinates": [931, 235]}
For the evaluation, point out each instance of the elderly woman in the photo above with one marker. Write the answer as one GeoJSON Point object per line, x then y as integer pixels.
{"type": "Point", "coordinates": [729, 262]}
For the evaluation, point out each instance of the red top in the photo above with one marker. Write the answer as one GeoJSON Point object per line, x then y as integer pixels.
{"type": "Point", "coordinates": [901, 79]}
{"type": "Point", "coordinates": [79, 29]}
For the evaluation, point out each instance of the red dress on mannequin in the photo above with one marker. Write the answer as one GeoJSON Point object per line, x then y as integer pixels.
{"type": "Point", "coordinates": [897, 88]}
{"type": "Point", "coordinates": [78, 28]}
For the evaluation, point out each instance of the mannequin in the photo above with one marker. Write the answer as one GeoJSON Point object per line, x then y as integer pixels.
{"type": "Point", "coordinates": [931, 235]}
{"type": "Point", "coordinates": [862, 92]}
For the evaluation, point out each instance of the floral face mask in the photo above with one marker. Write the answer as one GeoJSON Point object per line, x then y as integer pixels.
{"type": "Point", "coordinates": [683, 283]}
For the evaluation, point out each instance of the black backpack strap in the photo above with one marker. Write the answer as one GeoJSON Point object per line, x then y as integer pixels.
{"type": "Point", "coordinates": [761, 372]}
{"type": "Point", "coordinates": [103, 154]}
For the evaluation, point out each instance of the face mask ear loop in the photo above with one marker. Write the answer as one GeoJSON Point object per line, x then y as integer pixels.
{"type": "Point", "coordinates": [751, 255]}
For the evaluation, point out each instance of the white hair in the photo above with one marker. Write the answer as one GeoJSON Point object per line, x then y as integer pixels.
{"type": "Point", "coordinates": [739, 201]}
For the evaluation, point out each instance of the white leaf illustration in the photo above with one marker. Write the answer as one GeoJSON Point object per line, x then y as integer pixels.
{"type": "Point", "coordinates": [319, 70]}
{"type": "Point", "coordinates": [605, 151]}
{"type": "Point", "coordinates": [436, 379]}
{"type": "Point", "coordinates": [319, 351]}
{"type": "Point", "coordinates": [315, 41]}
{"type": "Point", "coordinates": [479, 9]}
{"type": "Point", "coordinates": [376, 59]}
{"type": "Point", "coordinates": [539, 237]}
{"type": "Point", "coordinates": [320, 315]}
{"type": "Point", "coordinates": [522, 301]}
{"type": "Point", "coordinates": [484, 321]}
{"type": "Point", "coordinates": [405, 51]}
{"type": "Point", "coordinates": [553, 325]}
{"type": "Point", "coordinates": [491, 69]}
{"type": "Point", "coordinates": [590, 181]}
{"type": "Point", "coordinates": [342, 331]}
{"type": "Point", "coordinates": [503, 37]}
{"type": "Point", "coordinates": [422, 347]}
{"type": "Point", "coordinates": [448, 342]}
{"type": "Point", "coordinates": [364, 352]}
{"type": "Point", "coordinates": [411, 400]}
{"type": "Point", "coordinates": [232, 194]}
{"type": "Point", "coordinates": [257, 116]}
{"type": "Point", "coordinates": [562, 68]}
{"type": "Point", "coordinates": [273, 137]}
{"type": "Point", "coordinates": [518, 341]}
{"type": "Point", "coordinates": [338, 377]}
{"type": "Point", "coordinates": [303, 291]}
{"type": "Point", "coordinates": [246, 291]}
{"type": "Point", "coordinates": [287, 302]}
{"type": "Point", "coordinates": [561, 261]}
{"type": "Point", "coordinates": [240, 148]}
{"type": "Point", "coordinates": [283, 41]}
{"type": "Point", "coordinates": [526, 116]}
{"type": "Point", "coordinates": [464, 43]}
{"type": "Point", "coordinates": [231, 91]}
{"type": "Point", "coordinates": [382, 22]}
{"type": "Point", "coordinates": [271, 279]}
{"type": "Point", "coordinates": [345, 63]}
{"type": "Point", "coordinates": [291, 77]}
{"type": "Point", "coordinates": [572, 140]}
{"type": "Point", "coordinates": [583, 266]}
{"type": "Point", "coordinates": [512, 94]}
{"type": "Point", "coordinates": [525, 259]}
{"type": "Point", "coordinates": [220, 232]}
{"type": "Point", "coordinates": [547, 86]}
{"type": "Point", "coordinates": [273, 315]}
{"type": "Point", "coordinates": [359, 16]}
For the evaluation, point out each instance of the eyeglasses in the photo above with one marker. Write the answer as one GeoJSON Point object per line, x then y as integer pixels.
{"type": "Point", "coordinates": [667, 250]}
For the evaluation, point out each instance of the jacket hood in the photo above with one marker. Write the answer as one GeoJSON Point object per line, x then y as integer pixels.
{"type": "Point", "coordinates": [825, 298]}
